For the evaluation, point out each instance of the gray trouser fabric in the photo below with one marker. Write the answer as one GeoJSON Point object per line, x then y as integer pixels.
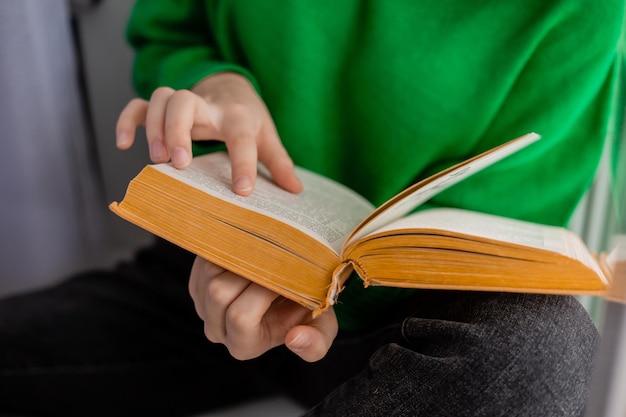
{"type": "Point", "coordinates": [127, 342]}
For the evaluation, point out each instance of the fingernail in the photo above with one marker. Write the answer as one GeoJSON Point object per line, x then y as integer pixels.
{"type": "Point", "coordinates": [242, 184]}
{"type": "Point", "coordinates": [301, 342]}
{"type": "Point", "coordinates": [157, 151]}
{"type": "Point", "coordinates": [180, 157]}
{"type": "Point", "coordinates": [122, 139]}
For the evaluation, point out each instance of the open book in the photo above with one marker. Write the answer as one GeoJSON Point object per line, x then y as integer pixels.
{"type": "Point", "coordinates": [305, 246]}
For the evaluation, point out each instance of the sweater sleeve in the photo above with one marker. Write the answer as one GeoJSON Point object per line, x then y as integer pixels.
{"type": "Point", "coordinates": [174, 45]}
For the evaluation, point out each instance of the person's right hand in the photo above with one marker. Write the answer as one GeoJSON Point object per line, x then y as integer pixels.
{"type": "Point", "coordinates": [223, 107]}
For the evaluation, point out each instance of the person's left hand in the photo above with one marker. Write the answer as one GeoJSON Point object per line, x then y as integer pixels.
{"type": "Point", "coordinates": [250, 319]}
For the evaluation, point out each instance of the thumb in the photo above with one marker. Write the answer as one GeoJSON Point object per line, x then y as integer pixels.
{"type": "Point", "coordinates": [312, 341]}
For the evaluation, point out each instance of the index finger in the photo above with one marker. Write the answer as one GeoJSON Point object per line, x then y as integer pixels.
{"type": "Point", "coordinates": [179, 122]}
{"type": "Point", "coordinates": [240, 135]}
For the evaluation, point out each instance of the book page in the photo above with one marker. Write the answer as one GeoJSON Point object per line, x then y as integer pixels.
{"type": "Point", "coordinates": [615, 262]}
{"type": "Point", "coordinates": [412, 197]}
{"type": "Point", "coordinates": [550, 238]}
{"type": "Point", "coordinates": [325, 210]}
{"type": "Point", "coordinates": [483, 225]}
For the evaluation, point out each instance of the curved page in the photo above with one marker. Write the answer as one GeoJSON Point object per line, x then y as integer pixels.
{"type": "Point", "coordinates": [325, 210]}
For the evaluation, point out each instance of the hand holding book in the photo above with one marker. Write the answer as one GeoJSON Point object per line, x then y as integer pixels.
{"type": "Point", "coordinates": [226, 107]}
{"type": "Point", "coordinates": [250, 319]}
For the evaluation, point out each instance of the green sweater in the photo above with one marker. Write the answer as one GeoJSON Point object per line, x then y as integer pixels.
{"type": "Point", "coordinates": [377, 94]}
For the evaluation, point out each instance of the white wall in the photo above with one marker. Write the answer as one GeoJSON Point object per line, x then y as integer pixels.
{"type": "Point", "coordinates": [51, 210]}
{"type": "Point", "coordinates": [107, 61]}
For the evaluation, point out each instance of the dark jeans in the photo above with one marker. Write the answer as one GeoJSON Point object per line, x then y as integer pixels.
{"type": "Point", "coordinates": [127, 342]}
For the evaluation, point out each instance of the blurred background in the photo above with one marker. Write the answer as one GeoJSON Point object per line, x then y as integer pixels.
{"type": "Point", "coordinates": [64, 77]}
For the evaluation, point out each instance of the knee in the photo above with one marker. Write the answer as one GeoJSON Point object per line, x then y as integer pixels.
{"type": "Point", "coordinates": [550, 331]}
{"type": "Point", "coordinates": [533, 352]}
{"type": "Point", "coordinates": [548, 344]}
{"type": "Point", "coordinates": [503, 324]}
{"type": "Point", "coordinates": [545, 335]}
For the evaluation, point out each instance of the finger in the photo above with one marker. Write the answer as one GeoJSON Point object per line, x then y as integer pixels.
{"type": "Point", "coordinates": [155, 124]}
{"type": "Point", "coordinates": [180, 118]}
{"type": "Point", "coordinates": [208, 116]}
{"type": "Point", "coordinates": [220, 292]}
{"type": "Point", "coordinates": [132, 116]}
{"type": "Point", "coordinates": [275, 157]}
{"type": "Point", "coordinates": [312, 341]}
{"type": "Point", "coordinates": [239, 130]}
{"type": "Point", "coordinates": [201, 272]}
{"type": "Point", "coordinates": [247, 334]}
